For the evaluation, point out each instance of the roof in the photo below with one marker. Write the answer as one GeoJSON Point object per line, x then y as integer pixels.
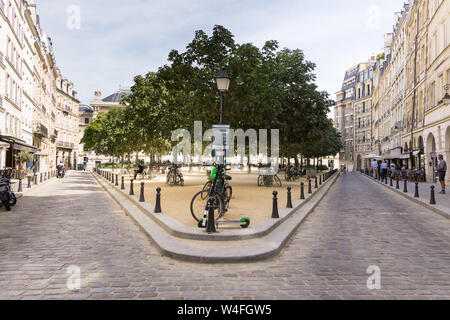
{"type": "Point", "coordinates": [84, 108]}
{"type": "Point", "coordinates": [117, 96]}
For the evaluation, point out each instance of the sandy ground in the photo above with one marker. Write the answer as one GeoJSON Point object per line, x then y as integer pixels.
{"type": "Point", "coordinates": [248, 199]}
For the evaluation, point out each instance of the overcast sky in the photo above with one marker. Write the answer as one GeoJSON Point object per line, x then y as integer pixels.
{"type": "Point", "coordinates": [111, 41]}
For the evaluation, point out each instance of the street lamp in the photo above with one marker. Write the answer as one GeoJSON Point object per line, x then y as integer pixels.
{"type": "Point", "coordinates": [223, 83]}
{"type": "Point", "coordinates": [447, 96]}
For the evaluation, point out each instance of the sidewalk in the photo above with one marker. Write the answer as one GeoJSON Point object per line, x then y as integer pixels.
{"type": "Point", "coordinates": [442, 200]}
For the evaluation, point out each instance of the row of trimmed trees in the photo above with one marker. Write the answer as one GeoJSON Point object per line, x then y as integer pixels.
{"type": "Point", "coordinates": [270, 89]}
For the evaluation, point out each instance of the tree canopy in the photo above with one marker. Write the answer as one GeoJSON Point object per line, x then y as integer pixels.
{"type": "Point", "coordinates": [270, 89]}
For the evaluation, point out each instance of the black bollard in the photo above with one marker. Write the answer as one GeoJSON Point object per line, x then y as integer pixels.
{"type": "Point", "coordinates": [405, 187]}
{"type": "Point", "coordinates": [416, 193]}
{"type": "Point", "coordinates": [302, 191]}
{"type": "Point", "coordinates": [122, 187]}
{"type": "Point", "coordinates": [392, 184]}
{"type": "Point", "coordinates": [289, 198]}
{"type": "Point", "coordinates": [320, 180]}
{"type": "Point", "coordinates": [117, 180]}
{"type": "Point", "coordinates": [41, 178]}
{"type": "Point", "coordinates": [211, 225]}
{"type": "Point", "coordinates": [309, 186]}
{"type": "Point", "coordinates": [131, 188]}
{"type": "Point", "coordinates": [29, 182]}
{"type": "Point", "coordinates": [112, 178]}
{"type": "Point", "coordinates": [158, 201]}
{"type": "Point", "coordinates": [433, 198]}
{"type": "Point", "coordinates": [19, 189]}
{"type": "Point", "coordinates": [315, 183]}
{"type": "Point", "coordinates": [275, 214]}
{"type": "Point", "coordinates": [35, 179]}
{"type": "Point", "coordinates": [386, 180]}
{"type": "Point", "coordinates": [397, 183]}
{"type": "Point", "coordinates": [141, 197]}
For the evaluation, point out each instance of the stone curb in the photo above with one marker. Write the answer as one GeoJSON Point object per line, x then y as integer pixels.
{"type": "Point", "coordinates": [435, 209]}
{"type": "Point", "coordinates": [242, 252]}
{"type": "Point", "coordinates": [179, 230]}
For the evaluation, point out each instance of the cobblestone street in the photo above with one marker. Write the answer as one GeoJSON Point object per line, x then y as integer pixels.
{"type": "Point", "coordinates": [72, 222]}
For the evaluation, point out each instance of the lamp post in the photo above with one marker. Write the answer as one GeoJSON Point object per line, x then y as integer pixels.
{"type": "Point", "coordinates": [446, 96]}
{"type": "Point", "coordinates": [223, 83]}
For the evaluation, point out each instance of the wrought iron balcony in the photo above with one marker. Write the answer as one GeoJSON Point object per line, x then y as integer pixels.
{"type": "Point", "coordinates": [40, 130]}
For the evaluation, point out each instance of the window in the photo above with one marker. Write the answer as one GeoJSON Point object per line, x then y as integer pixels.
{"type": "Point", "coordinates": [86, 120]}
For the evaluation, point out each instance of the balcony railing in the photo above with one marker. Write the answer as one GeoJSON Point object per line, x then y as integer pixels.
{"type": "Point", "coordinates": [2, 6]}
{"type": "Point", "coordinates": [66, 145]}
{"type": "Point", "coordinates": [40, 130]}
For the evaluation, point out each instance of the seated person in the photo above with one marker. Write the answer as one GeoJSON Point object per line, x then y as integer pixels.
{"type": "Point", "coordinates": [139, 170]}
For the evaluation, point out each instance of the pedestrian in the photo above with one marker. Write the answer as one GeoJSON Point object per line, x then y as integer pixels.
{"type": "Point", "coordinates": [441, 171]}
{"type": "Point", "coordinates": [374, 168]}
{"type": "Point", "coordinates": [383, 168]}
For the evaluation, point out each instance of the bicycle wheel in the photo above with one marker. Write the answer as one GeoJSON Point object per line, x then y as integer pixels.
{"type": "Point", "coordinates": [206, 189]}
{"type": "Point", "coordinates": [199, 205]}
{"type": "Point", "coordinates": [227, 193]}
{"type": "Point", "coordinates": [260, 180]}
{"type": "Point", "coordinates": [278, 181]}
{"type": "Point", "coordinates": [179, 181]}
{"type": "Point", "coordinates": [169, 178]}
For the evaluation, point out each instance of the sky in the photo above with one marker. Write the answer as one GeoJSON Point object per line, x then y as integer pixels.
{"type": "Point", "coordinates": [102, 45]}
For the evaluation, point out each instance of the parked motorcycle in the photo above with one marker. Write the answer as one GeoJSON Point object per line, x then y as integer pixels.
{"type": "Point", "coordinates": [61, 172]}
{"type": "Point", "coordinates": [8, 198]}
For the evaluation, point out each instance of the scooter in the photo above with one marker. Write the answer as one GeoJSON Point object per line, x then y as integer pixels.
{"type": "Point", "coordinates": [61, 173]}
{"type": "Point", "coordinates": [8, 198]}
{"type": "Point", "coordinates": [244, 223]}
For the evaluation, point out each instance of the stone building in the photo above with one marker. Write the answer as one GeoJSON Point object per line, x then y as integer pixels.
{"type": "Point", "coordinates": [31, 90]}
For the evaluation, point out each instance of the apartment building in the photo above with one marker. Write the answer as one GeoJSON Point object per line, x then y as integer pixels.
{"type": "Point", "coordinates": [31, 91]}
{"type": "Point", "coordinates": [410, 100]}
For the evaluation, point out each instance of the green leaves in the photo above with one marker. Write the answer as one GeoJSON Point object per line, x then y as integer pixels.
{"type": "Point", "coordinates": [270, 89]}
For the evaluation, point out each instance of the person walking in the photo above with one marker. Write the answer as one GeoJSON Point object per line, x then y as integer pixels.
{"type": "Point", "coordinates": [374, 168]}
{"type": "Point", "coordinates": [441, 171]}
{"type": "Point", "coordinates": [384, 168]}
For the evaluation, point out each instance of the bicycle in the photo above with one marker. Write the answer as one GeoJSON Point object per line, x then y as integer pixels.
{"type": "Point", "coordinates": [292, 173]}
{"type": "Point", "coordinates": [174, 177]}
{"type": "Point", "coordinates": [268, 177]}
{"type": "Point", "coordinates": [217, 193]}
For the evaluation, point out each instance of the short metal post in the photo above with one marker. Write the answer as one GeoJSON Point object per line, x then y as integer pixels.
{"type": "Point", "coordinates": [416, 193]}
{"type": "Point", "coordinates": [122, 187]}
{"type": "Point", "coordinates": [117, 180]}
{"type": "Point", "coordinates": [309, 186]}
{"type": "Point", "coordinates": [41, 178]}
{"type": "Point", "coordinates": [302, 191]}
{"type": "Point", "coordinates": [112, 178]}
{"type": "Point", "coordinates": [275, 214]}
{"type": "Point", "coordinates": [211, 225]}
{"type": "Point", "coordinates": [315, 183]}
{"type": "Point", "coordinates": [29, 182]}
{"type": "Point", "coordinates": [386, 180]}
{"type": "Point", "coordinates": [392, 184]}
{"type": "Point", "coordinates": [405, 187]}
{"type": "Point", "coordinates": [19, 189]}
{"type": "Point", "coordinates": [35, 179]}
{"type": "Point", "coordinates": [158, 201]}
{"type": "Point", "coordinates": [397, 183]}
{"type": "Point", "coordinates": [141, 197]}
{"type": "Point", "coordinates": [131, 188]}
{"type": "Point", "coordinates": [433, 198]}
{"type": "Point", "coordinates": [289, 198]}
{"type": "Point", "coordinates": [320, 180]}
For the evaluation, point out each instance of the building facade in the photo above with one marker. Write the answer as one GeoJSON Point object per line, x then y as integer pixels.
{"type": "Point", "coordinates": [410, 100]}
{"type": "Point", "coordinates": [31, 91]}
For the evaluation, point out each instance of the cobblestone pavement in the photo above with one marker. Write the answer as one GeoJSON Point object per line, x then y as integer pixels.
{"type": "Point", "coordinates": [359, 224]}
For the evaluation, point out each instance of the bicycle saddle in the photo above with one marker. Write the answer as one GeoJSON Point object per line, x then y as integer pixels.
{"type": "Point", "coordinates": [228, 178]}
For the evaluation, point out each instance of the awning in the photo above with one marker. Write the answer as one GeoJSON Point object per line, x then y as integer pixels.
{"type": "Point", "coordinates": [18, 145]}
{"type": "Point", "coordinates": [372, 156]}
